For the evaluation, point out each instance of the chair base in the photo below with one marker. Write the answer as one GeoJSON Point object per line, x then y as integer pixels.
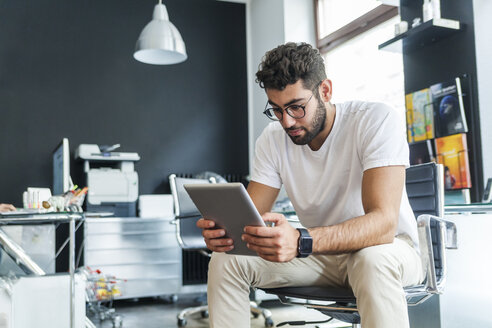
{"type": "Point", "coordinates": [340, 305]}
{"type": "Point", "coordinates": [203, 309]}
{"type": "Point", "coordinates": [256, 310]}
{"type": "Point", "coordinates": [353, 318]}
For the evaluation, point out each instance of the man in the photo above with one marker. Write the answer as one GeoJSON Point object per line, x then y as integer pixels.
{"type": "Point", "coordinates": [343, 167]}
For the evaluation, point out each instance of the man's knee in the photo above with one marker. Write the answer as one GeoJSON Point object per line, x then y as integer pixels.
{"type": "Point", "coordinates": [372, 264]}
{"type": "Point", "coordinates": [224, 264]}
{"type": "Point", "coordinates": [219, 262]}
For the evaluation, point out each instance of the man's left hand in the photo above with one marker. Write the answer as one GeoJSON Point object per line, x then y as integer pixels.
{"type": "Point", "coordinates": [277, 243]}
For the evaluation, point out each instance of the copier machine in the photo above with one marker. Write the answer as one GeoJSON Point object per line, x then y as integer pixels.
{"type": "Point", "coordinates": [111, 179]}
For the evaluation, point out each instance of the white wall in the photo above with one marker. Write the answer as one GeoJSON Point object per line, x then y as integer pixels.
{"type": "Point", "coordinates": [271, 23]}
{"type": "Point", "coordinates": [265, 31]}
{"type": "Point", "coordinates": [299, 21]}
{"type": "Point", "coordinates": [482, 9]}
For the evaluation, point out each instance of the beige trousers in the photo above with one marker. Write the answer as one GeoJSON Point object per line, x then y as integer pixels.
{"type": "Point", "coordinates": [376, 275]}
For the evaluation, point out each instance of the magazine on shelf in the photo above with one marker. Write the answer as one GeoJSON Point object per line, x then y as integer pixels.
{"type": "Point", "coordinates": [420, 115]}
{"type": "Point", "coordinates": [452, 152]}
{"type": "Point", "coordinates": [422, 152]}
{"type": "Point", "coordinates": [409, 117]}
{"type": "Point", "coordinates": [449, 111]}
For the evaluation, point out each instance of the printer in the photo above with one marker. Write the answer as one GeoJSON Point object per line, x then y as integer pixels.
{"type": "Point", "coordinates": [111, 179]}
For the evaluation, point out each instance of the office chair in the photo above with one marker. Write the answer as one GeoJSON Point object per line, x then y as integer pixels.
{"type": "Point", "coordinates": [190, 239]}
{"type": "Point", "coordinates": [425, 189]}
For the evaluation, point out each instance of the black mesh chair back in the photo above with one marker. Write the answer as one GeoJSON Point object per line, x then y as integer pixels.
{"type": "Point", "coordinates": [425, 189]}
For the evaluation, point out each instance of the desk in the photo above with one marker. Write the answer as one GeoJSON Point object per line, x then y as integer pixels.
{"type": "Point", "coordinates": [42, 218]}
{"type": "Point", "coordinates": [468, 208]}
{"type": "Point", "coordinates": [466, 300]}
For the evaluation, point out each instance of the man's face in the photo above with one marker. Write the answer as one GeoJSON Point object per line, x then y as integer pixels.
{"type": "Point", "coordinates": [302, 130]}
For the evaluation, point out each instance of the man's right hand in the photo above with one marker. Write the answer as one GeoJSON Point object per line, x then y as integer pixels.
{"type": "Point", "coordinates": [214, 237]}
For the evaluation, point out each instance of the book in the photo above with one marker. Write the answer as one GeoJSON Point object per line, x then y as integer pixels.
{"type": "Point", "coordinates": [448, 23]}
{"type": "Point", "coordinates": [424, 99]}
{"type": "Point", "coordinates": [422, 152]}
{"type": "Point", "coordinates": [452, 152]}
{"type": "Point", "coordinates": [409, 116]}
{"type": "Point", "coordinates": [420, 115]}
{"type": "Point", "coordinates": [449, 111]}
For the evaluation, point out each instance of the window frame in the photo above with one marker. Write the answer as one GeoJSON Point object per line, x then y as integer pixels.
{"type": "Point", "coordinates": [371, 19]}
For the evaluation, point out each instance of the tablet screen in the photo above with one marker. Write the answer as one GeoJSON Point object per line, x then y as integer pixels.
{"type": "Point", "coordinates": [230, 207]}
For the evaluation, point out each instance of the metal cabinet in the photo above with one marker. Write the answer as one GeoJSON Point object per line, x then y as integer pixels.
{"type": "Point", "coordinates": [38, 241]}
{"type": "Point", "coordinates": [144, 252]}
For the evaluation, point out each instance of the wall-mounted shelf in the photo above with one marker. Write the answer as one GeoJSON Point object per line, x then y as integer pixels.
{"type": "Point", "coordinates": [420, 36]}
{"type": "Point", "coordinates": [396, 3]}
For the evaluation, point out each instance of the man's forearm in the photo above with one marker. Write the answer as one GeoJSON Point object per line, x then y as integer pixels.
{"type": "Point", "coordinates": [374, 228]}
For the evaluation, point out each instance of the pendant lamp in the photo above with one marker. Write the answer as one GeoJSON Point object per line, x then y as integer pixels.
{"type": "Point", "coordinates": [160, 42]}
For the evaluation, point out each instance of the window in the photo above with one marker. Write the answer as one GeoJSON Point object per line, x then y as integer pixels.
{"type": "Point", "coordinates": [332, 15]}
{"type": "Point", "coordinates": [359, 70]}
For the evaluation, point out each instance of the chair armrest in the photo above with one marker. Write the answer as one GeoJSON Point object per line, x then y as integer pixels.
{"type": "Point", "coordinates": [444, 235]}
{"type": "Point", "coordinates": [451, 235]}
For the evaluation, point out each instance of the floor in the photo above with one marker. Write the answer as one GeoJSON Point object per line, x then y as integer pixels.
{"type": "Point", "coordinates": [161, 313]}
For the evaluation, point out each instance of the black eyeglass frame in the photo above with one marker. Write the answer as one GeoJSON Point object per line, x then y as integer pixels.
{"type": "Point", "coordinates": [274, 117]}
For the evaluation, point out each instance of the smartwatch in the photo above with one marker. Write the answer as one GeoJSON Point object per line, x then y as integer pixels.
{"type": "Point", "coordinates": [305, 244]}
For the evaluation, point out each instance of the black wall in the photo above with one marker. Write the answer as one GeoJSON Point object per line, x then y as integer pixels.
{"type": "Point", "coordinates": [443, 61]}
{"type": "Point", "coordinates": [67, 70]}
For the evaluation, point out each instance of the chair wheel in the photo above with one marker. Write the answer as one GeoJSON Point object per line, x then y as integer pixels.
{"type": "Point", "coordinates": [117, 321]}
{"type": "Point", "coordinates": [268, 322]}
{"type": "Point", "coordinates": [204, 314]}
{"type": "Point", "coordinates": [182, 322]}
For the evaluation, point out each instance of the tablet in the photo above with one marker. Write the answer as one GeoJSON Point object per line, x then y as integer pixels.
{"type": "Point", "coordinates": [230, 207]}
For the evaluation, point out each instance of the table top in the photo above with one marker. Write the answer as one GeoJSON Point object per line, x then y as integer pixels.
{"type": "Point", "coordinates": [38, 218]}
{"type": "Point", "coordinates": [468, 208]}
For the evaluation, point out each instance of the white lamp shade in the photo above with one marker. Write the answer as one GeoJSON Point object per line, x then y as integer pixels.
{"type": "Point", "coordinates": [160, 42]}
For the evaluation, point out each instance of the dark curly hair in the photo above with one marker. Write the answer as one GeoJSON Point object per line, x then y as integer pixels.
{"type": "Point", "coordinates": [288, 63]}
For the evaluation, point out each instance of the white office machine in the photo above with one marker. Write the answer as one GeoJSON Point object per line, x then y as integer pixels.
{"type": "Point", "coordinates": [111, 179]}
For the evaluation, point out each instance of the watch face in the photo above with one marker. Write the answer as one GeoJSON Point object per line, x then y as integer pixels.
{"type": "Point", "coordinates": [305, 243]}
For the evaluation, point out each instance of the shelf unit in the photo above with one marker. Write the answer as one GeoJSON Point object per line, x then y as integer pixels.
{"type": "Point", "coordinates": [422, 35]}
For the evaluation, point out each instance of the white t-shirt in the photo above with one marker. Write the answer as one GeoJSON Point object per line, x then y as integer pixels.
{"type": "Point", "coordinates": [325, 185]}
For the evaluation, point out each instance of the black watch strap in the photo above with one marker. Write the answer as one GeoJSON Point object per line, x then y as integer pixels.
{"type": "Point", "coordinates": [305, 244]}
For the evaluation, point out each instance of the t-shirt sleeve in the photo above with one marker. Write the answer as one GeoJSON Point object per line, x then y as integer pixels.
{"type": "Point", "coordinates": [265, 165]}
{"type": "Point", "coordinates": [382, 139]}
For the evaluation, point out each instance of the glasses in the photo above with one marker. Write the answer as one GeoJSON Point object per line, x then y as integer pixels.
{"type": "Point", "coordinates": [294, 111]}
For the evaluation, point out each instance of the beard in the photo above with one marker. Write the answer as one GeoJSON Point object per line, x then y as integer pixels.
{"type": "Point", "coordinates": [317, 124]}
